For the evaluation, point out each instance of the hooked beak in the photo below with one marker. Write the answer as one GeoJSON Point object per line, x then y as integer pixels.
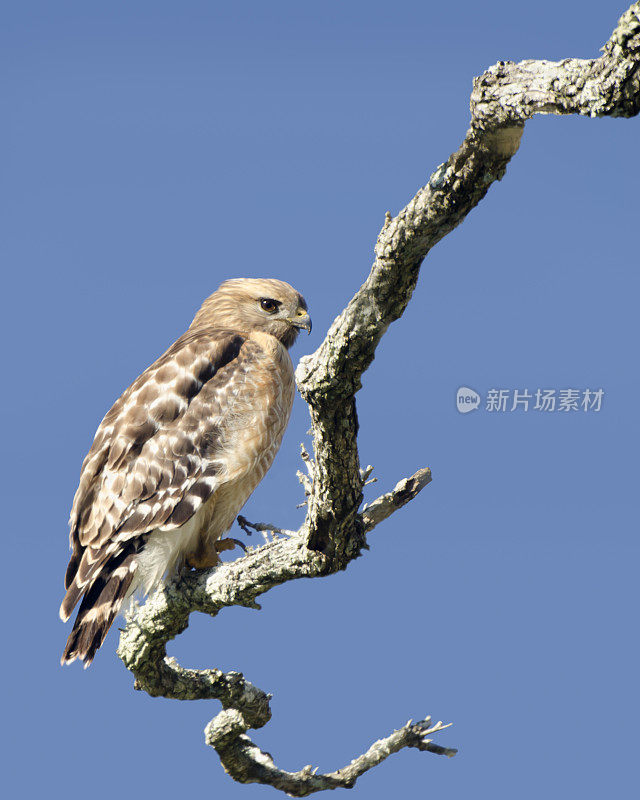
{"type": "Point", "coordinates": [301, 320]}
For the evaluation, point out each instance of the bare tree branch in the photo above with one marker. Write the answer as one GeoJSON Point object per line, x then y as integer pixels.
{"type": "Point", "coordinates": [404, 491]}
{"type": "Point", "coordinates": [246, 763]}
{"type": "Point", "coordinates": [502, 100]}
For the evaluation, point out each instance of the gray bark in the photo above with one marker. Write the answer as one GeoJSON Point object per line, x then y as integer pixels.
{"type": "Point", "coordinates": [334, 532]}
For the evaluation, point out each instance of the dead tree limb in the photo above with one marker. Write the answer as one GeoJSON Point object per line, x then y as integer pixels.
{"type": "Point", "coordinates": [334, 532]}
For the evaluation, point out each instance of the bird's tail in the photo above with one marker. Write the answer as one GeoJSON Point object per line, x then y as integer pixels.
{"type": "Point", "coordinates": [104, 593]}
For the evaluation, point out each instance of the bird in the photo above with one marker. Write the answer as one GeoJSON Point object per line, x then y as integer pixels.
{"type": "Point", "coordinates": [180, 452]}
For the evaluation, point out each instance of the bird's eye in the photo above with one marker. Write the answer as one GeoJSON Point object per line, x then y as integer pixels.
{"type": "Point", "coordinates": [269, 305]}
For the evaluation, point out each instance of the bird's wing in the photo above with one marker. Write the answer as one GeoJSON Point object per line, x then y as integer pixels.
{"type": "Point", "coordinates": [161, 450]}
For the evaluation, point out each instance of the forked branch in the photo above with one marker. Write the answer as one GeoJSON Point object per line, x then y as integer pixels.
{"type": "Point", "coordinates": [502, 100]}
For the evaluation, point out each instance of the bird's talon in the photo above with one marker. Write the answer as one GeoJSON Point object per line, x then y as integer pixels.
{"type": "Point", "coordinates": [228, 544]}
{"type": "Point", "coordinates": [244, 523]}
{"type": "Point", "coordinates": [239, 543]}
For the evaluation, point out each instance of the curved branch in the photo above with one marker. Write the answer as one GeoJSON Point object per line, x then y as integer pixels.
{"type": "Point", "coordinates": [246, 763]}
{"type": "Point", "coordinates": [166, 614]}
{"type": "Point", "coordinates": [503, 99]}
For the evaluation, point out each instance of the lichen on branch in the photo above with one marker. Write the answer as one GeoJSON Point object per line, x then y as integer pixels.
{"type": "Point", "coordinates": [335, 528]}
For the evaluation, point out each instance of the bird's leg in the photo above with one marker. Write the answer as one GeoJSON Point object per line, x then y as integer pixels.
{"type": "Point", "coordinates": [206, 555]}
{"type": "Point", "coordinates": [265, 527]}
{"type": "Point", "coordinates": [199, 560]}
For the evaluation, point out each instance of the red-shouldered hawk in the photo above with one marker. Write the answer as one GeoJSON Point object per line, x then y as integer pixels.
{"type": "Point", "coordinates": [179, 453]}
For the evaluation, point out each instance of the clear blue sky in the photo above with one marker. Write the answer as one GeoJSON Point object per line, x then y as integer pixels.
{"type": "Point", "coordinates": [152, 150]}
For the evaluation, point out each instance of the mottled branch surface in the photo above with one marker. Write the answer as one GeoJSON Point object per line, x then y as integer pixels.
{"type": "Point", "coordinates": [246, 763]}
{"type": "Point", "coordinates": [333, 534]}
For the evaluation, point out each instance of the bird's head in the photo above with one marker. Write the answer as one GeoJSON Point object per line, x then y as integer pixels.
{"type": "Point", "coordinates": [256, 304]}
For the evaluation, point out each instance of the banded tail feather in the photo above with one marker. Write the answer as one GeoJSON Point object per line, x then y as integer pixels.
{"type": "Point", "coordinates": [104, 589]}
{"type": "Point", "coordinates": [84, 566]}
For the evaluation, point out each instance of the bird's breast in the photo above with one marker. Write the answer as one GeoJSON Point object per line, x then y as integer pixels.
{"type": "Point", "coordinates": [255, 426]}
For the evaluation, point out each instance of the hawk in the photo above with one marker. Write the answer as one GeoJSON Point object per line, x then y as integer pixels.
{"type": "Point", "coordinates": [179, 453]}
